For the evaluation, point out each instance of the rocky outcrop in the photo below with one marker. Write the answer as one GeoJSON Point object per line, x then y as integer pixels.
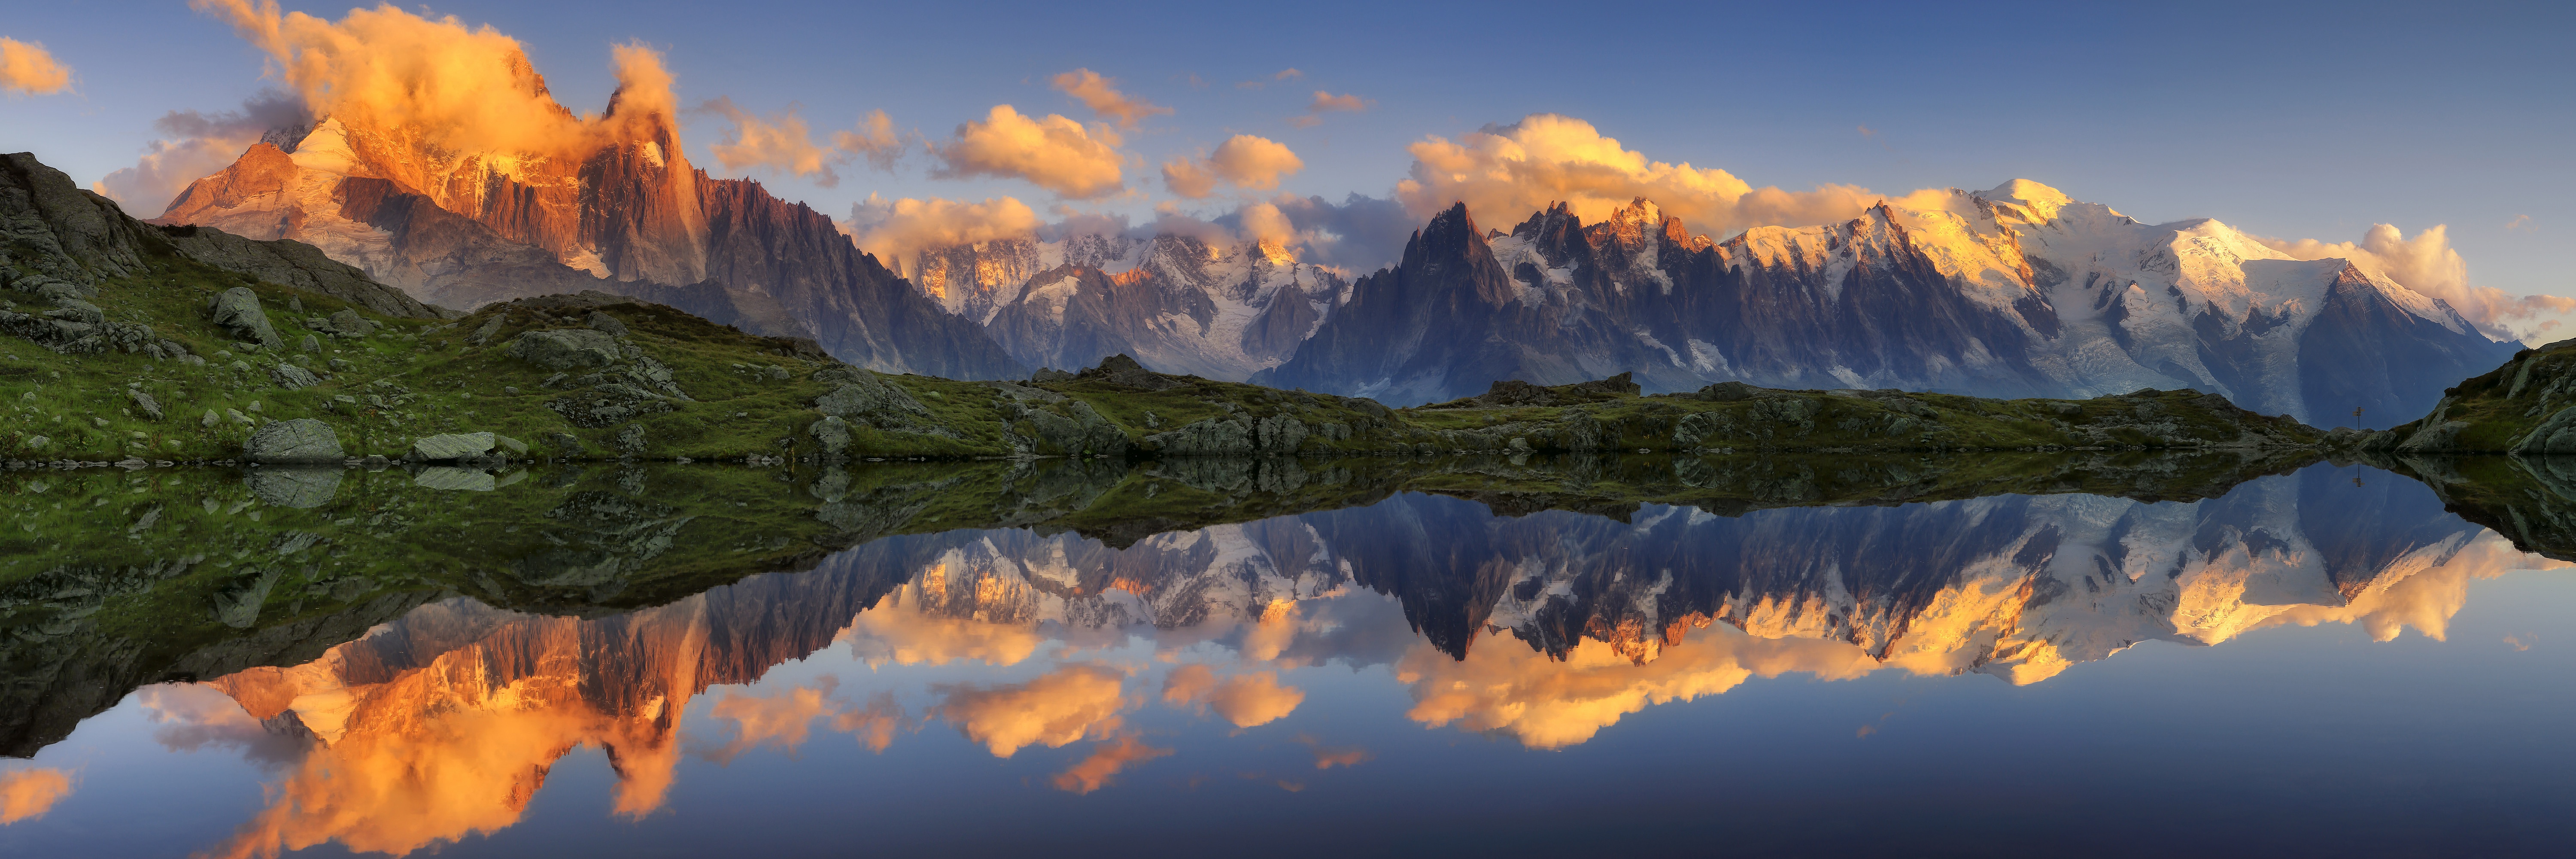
{"type": "Point", "coordinates": [290, 441]}
{"type": "Point", "coordinates": [2526, 406]}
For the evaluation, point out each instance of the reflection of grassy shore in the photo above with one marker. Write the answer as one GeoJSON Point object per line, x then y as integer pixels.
{"type": "Point", "coordinates": [111, 578]}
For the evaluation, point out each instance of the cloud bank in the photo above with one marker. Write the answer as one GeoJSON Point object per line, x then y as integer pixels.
{"type": "Point", "coordinates": [2428, 264]}
{"type": "Point", "coordinates": [1505, 173]}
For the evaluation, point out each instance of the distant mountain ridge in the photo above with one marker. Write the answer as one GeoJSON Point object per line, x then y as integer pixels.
{"type": "Point", "coordinates": [627, 216]}
{"type": "Point", "coordinates": [2013, 292]}
{"type": "Point", "coordinates": [1176, 303]}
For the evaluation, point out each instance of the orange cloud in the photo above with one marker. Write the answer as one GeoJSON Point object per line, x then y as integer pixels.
{"type": "Point", "coordinates": [1328, 757]}
{"type": "Point", "coordinates": [27, 794]}
{"type": "Point", "coordinates": [1187, 684]}
{"type": "Point", "coordinates": [1102, 96]}
{"type": "Point", "coordinates": [1244, 699]}
{"type": "Point", "coordinates": [26, 68]}
{"type": "Point", "coordinates": [777, 142]}
{"type": "Point", "coordinates": [468, 89]}
{"type": "Point", "coordinates": [780, 719]}
{"type": "Point", "coordinates": [1054, 710]}
{"type": "Point", "coordinates": [1254, 699]}
{"type": "Point", "coordinates": [1243, 161]}
{"type": "Point", "coordinates": [875, 140]}
{"type": "Point", "coordinates": [1548, 704]}
{"type": "Point", "coordinates": [1107, 758]}
{"type": "Point", "coordinates": [895, 231]}
{"type": "Point", "coordinates": [1287, 74]}
{"type": "Point", "coordinates": [1053, 152]}
{"type": "Point", "coordinates": [1506, 173]}
{"type": "Point", "coordinates": [2428, 264]}
{"type": "Point", "coordinates": [1326, 102]}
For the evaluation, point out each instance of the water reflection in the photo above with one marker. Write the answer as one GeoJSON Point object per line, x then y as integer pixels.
{"type": "Point", "coordinates": [408, 669]}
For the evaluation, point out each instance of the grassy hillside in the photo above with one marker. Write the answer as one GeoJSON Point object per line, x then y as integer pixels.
{"type": "Point", "coordinates": [2521, 407]}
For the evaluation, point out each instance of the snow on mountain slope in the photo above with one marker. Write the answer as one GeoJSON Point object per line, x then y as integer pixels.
{"type": "Point", "coordinates": [2015, 291]}
{"type": "Point", "coordinates": [1175, 303]}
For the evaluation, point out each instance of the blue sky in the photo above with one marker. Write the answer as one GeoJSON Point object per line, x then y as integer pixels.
{"type": "Point", "coordinates": [2289, 121]}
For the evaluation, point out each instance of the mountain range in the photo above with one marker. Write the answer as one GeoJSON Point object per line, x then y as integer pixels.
{"type": "Point", "coordinates": [626, 214]}
{"type": "Point", "coordinates": [2018, 291]}
{"type": "Point", "coordinates": [2014, 292]}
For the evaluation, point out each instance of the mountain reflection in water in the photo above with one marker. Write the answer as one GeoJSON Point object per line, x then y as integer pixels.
{"type": "Point", "coordinates": [1118, 611]}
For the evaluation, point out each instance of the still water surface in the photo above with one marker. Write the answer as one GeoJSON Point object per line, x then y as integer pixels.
{"type": "Point", "coordinates": [2317, 662]}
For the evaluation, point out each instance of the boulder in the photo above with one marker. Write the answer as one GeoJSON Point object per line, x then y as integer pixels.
{"type": "Point", "coordinates": [566, 348]}
{"type": "Point", "coordinates": [299, 488]}
{"type": "Point", "coordinates": [832, 433]}
{"type": "Point", "coordinates": [238, 309]}
{"type": "Point", "coordinates": [1211, 437]}
{"type": "Point", "coordinates": [510, 444]}
{"type": "Point", "coordinates": [606, 324]}
{"type": "Point", "coordinates": [450, 446]}
{"type": "Point", "coordinates": [864, 397]}
{"type": "Point", "coordinates": [144, 402]}
{"type": "Point", "coordinates": [349, 322]}
{"type": "Point", "coordinates": [292, 377]}
{"type": "Point", "coordinates": [455, 479]}
{"type": "Point", "coordinates": [298, 440]}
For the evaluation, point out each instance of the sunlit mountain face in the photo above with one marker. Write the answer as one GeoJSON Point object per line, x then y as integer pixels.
{"type": "Point", "coordinates": [1343, 651]}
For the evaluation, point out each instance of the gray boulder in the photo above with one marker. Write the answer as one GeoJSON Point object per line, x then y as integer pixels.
{"type": "Point", "coordinates": [566, 348]}
{"type": "Point", "coordinates": [455, 479]}
{"type": "Point", "coordinates": [606, 324]}
{"type": "Point", "coordinates": [349, 322]}
{"type": "Point", "coordinates": [292, 377]}
{"type": "Point", "coordinates": [448, 446]}
{"type": "Point", "coordinates": [298, 440]}
{"type": "Point", "coordinates": [299, 488]}
{"type": "Point", "coordinates": [144, 402]}
{"type": "Point", "coordinates": [832, 433]}
{"type": "Point", "coordinates": [238, 309]}
{"type": "Point", "coordinates": [864, 397]}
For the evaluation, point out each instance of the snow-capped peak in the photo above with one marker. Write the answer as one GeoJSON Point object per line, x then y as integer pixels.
{"type": "Point", "coordinates": [2041, 201]}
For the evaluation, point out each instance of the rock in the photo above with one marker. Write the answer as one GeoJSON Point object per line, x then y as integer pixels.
{"type": "Point", "coordinates": [510, 444]}
{"type": "Point", "coordinates": [566, 443]}
{"type": "Point", "coordinates": [489, 330]}
{"type": "Point", "coordinates": [864, 397]}
{"type": "Point", "coordinates": [238, 309]}
{"type": "Point", "coordinates": [143, 401]}
{"type": "Point", "coordinates": [1278, 434]}
{"type": "Point", "coordinates": [1124, 372]}
{"type": "Point", "coordinates": [238, 605]}
{"type": "Point", "coordinates": [298, 440]}
{"type": "Point", "coordinates": [349, 322]}
{"type": "Point", "coordinates": [239, 418]}
{"type": "Point", "coordinates": [1050, 374]}
{"type": "Point", "coordinates": [565, 348]}
{"type": "Point", "coordinates": [300, 488]}
{"type": "Point", "coordinates": [605, 323]}
{"type": "Point", "coordinates": [1211, 437]}
{"type": "Point", "coordinates": [211, 419]}
{"type": "Point", "coordinates": [831, 432]}
{"type": "Point", "coordinates": [1729, 392]}
{"type": "Point", "coordinates": [39, 442]}
{"type": "Point", "coordinates": [450, 446]}
{"type": "Point", "coordinates": [455, 479]}
{"type": "Point", "coordinates": [631, 439]}
{"type": "Point", "coordinates": [311, 344]}
{"type": "Point", "coordinates": [292, 377]}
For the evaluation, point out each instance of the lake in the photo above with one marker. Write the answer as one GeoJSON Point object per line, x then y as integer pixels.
{"type": "Point", "coordinates": [2108, 655]}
